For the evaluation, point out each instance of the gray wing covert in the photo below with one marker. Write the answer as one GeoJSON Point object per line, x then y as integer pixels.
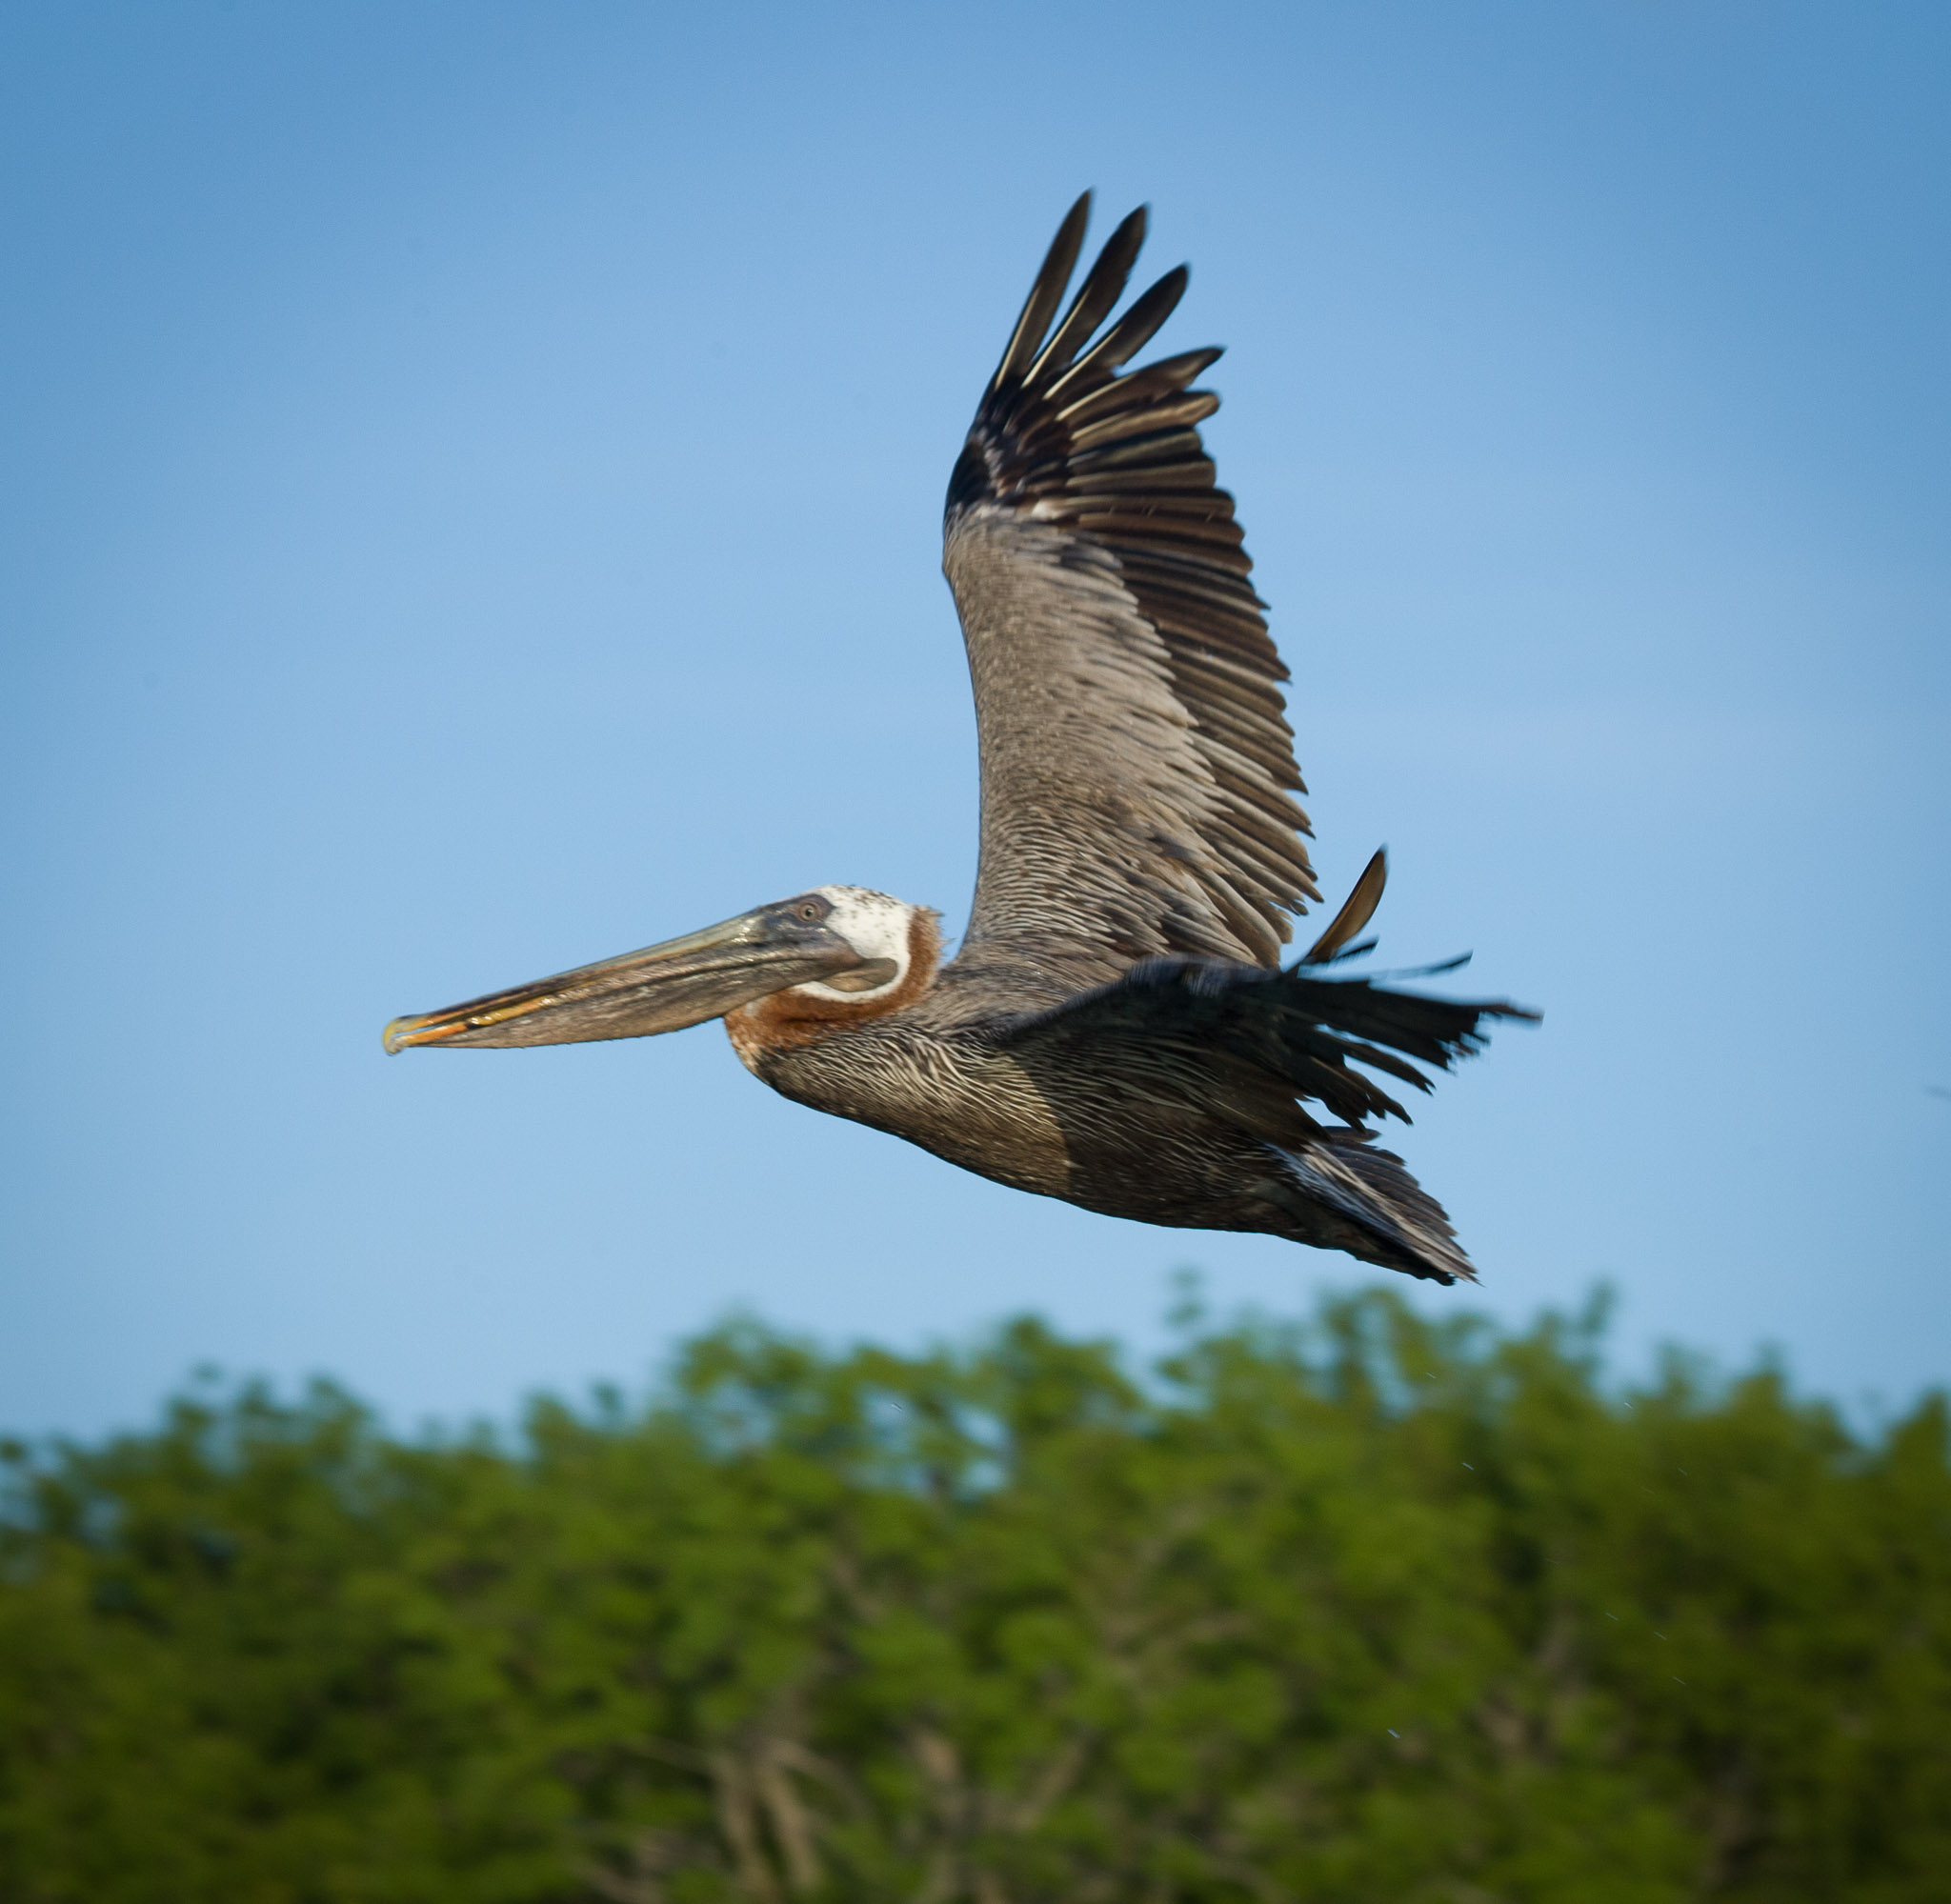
{"type": "Point", "coordinates": [1136, 764]}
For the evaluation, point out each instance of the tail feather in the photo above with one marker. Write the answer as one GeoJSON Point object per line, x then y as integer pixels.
{"type": "Point", "coordinates": [1406, 1227]}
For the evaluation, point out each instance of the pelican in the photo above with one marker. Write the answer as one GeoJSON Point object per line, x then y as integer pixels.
{"type": "Point", "coordinates": [1117, 1029]}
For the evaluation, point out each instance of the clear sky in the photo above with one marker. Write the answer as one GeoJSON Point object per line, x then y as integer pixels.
{"type": "Point", "coordinates": [472, 484]}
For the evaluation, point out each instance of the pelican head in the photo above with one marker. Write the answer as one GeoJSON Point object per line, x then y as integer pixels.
{"type": "Point", "coordinates": [835, 953]}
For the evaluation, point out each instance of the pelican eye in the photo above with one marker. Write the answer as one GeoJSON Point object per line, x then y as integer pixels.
{"type": "Point", "coordinates": [809, 909]}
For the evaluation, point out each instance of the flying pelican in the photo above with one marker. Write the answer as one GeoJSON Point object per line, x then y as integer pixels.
{"type": "Point", "coordinates": [1117, 1029]}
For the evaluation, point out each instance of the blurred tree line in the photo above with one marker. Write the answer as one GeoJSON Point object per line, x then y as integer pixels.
{"type": "Point", "coordinates": [1359, 1610]}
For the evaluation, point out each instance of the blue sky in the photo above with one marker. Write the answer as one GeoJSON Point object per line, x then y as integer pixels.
{"type": "Point", "coordinates": [472, 484]}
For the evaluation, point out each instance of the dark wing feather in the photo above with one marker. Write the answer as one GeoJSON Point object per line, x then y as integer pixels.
{"type": "Point", "coordinates": [1136, 764]}
{"type": "Point", "coordinates": [1297, 1028]}
{"type": "Point", "coordinates": [1253, 1048]}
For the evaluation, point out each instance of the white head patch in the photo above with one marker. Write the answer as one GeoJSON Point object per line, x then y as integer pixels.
{"type": "Point", "coordinates": [876, 926]}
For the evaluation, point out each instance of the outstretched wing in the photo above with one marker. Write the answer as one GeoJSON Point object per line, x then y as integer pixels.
{"type": "Point", "coordinates": [1137, 767]}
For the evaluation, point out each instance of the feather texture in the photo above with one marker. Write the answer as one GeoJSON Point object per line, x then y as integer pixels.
{"type": "Point", "coordinates": [1137, 762]}
{"type": "Point", "coordinates": [1250, 1048]}
{"type": "Point", "coordinates": [1301, 1029]}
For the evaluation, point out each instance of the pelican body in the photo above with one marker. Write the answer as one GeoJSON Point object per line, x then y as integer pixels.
{"type": "Point", "coordinates": [1116, 1028]}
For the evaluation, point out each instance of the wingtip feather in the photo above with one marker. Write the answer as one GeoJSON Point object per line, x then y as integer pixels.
{"type": "Point", "coordinates": [1046, 293]}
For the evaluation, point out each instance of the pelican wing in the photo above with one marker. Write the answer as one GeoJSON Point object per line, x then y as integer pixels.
{"type": "Point", "coordinates": [1255, 1047]}
{"type": "Point", "coordinates": [1137, 767]}
{"type": "Point", "coordinates": [1183, 1020]}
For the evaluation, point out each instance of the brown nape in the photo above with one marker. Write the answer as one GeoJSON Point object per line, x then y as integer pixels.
{"type": "Point", "coordinates": [796, 1017]}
